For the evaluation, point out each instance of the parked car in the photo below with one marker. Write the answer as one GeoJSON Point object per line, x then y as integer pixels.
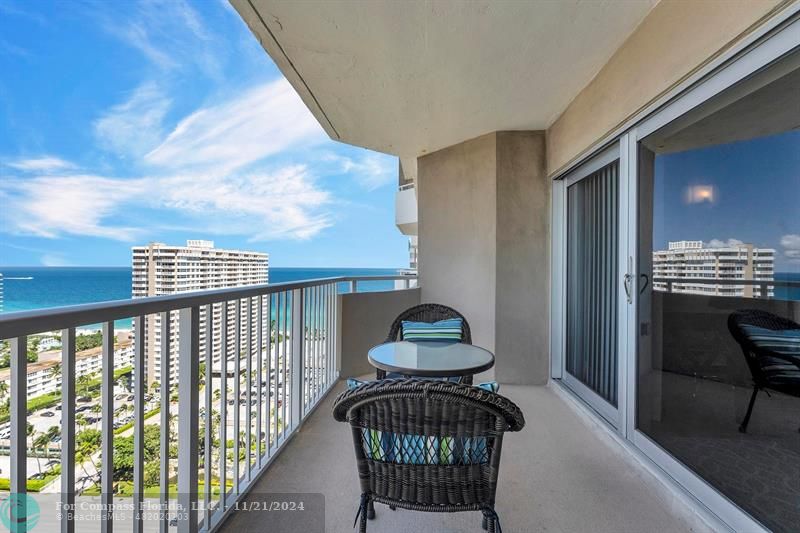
{"type": "Point", "coordinates": [48, 414]}
{"type": "Point", "coordinates": [58, 407]}
{"type": "Point", "coordinates": [119, 397]}
{"type": "Point", "coordinates": [83, 399]}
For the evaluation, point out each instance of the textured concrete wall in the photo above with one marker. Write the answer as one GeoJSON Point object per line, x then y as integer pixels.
{"type": "Point", "coordinates": [364, 320]}
{"type": "Point", "coordinates": [456, 195]}
{"type": "Point", "coordinates": [676, 38]}
{"type": "Point", "coordinates": [484, 226]}
{"type": "Point", "coordinates": [522, 319]}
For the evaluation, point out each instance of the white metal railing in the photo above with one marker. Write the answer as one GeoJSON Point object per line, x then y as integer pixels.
{"type": "Point", "coordinates": [406, 186]}
{"type": "Point", "coordinates": [765, 287]}
{"type": "Point", "coordinates": [280, 340]}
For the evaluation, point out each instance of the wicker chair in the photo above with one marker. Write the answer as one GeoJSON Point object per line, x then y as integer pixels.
{"type": "Point", "coordinates": [427, 313]}
{"type": "Point", "coordinates": [452, 461]}
{"type": "Point", "coordinates": [769, 369]}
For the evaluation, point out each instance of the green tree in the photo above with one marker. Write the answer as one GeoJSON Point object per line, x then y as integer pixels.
{"type": "Point", "coordinates": [55, 371]}
{"type": "Point", "coordinates": [86, 342]}
{"type": "Point", "coordinates": [83, 383]}
{"type": "Point", "coordinates": [123, 452]}
{"type": "Point", "coordinates": [152, 474]}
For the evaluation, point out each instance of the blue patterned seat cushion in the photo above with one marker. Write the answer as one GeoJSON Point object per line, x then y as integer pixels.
{"type": "Point", "coordinates": [491, 386]}
{"type": "Point", "coordinates": [420, 449]}
{"type": "Point", "coordinates": [448, 330]}
{"type": "Point", "coordinates": [785, 342]}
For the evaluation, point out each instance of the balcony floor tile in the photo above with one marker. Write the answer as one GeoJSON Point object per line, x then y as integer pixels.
{"type": "Point", "coordinates": [561, 474]}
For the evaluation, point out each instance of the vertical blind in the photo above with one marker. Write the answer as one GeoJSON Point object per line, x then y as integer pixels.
{"type": "Point", "coordinates": [592, 278]}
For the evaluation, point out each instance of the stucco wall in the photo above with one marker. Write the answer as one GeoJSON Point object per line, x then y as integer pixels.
{"type": "Point", "coordinates": [484, 215]}
{"type": "Point", "coordinates": [522, 303]}
{"type": "Point", "coordinates": [676, 38]}
{"type": "Point", "coordinates": [456, 195]}
{"type": "Point", "coordinates": [364, 320]}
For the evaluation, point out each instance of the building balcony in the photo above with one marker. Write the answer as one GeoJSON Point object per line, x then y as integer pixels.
{"type": "Point", "coordinates": [406, 209]}
{"type": "Point", "coordinates": [320, 332]}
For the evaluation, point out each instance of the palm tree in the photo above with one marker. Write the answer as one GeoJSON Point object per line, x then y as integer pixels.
{"type": "Point", "coordinates": [83, 384]}
{"type": "Point", "coordinates": [55, 371]}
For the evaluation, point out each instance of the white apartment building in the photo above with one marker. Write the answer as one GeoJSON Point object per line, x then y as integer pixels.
{"type": "Point", "coordinates": [693, 268]}
{"type": "Point", "coordinates": [160, 269]}
{"type": "Point", "coordinates": [44, 377]}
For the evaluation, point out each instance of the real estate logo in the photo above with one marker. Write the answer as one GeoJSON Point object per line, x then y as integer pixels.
{"type": "Point", "coordinates": [19, 513]}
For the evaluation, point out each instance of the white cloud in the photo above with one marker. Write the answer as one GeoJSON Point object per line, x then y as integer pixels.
{"type": "Point", "coordinates": [169, 33]}
{"type": "Point", "coordinates": [44, 164]}
{"type": "Point", "coordinates": [730, 243]}
{"type": "Point", "coordinates": [225, 137]}
{"type": "Point", "coordinates": [7, 48]}
{"type": "Point", "coordinates": [54, 260]}
{"type": "Point", "coordinates": [134, 126]}
{"type": "Point", "coordinates": [371, 171]}
{"type": "Point", "coordinates": [265, 205]}
{"type": "Point", "coordinates": [285, 204]}
{"type": "Point", "coordinates": [50, 206]}
{"type": "Point", "coordinates": [791, 247]}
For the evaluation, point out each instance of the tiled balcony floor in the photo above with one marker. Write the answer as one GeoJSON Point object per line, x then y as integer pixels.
{"type": "Point", "coordinates": [561, 474]}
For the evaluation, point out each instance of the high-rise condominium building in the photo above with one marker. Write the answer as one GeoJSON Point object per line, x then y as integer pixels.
{"type": "Point", "coordinates": [160, 269]}
{"type": "Point", "coordinates": [693, 268]}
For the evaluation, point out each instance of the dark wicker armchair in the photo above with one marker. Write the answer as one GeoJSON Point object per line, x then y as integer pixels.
{"type": "Point", "coordinates": [770, 369]}
{"type": "Point", "coordinates": [427, 445]}
{"type": "Point", "coordinates": [427, 313]}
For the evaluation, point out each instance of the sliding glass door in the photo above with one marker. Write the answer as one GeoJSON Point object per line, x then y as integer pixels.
{"type": "Point", "coordinates": [676, 286]}
{"type": "Point", "coordinates": [592, 277]}
{"type": "Point", "coordinates": [718, 348]}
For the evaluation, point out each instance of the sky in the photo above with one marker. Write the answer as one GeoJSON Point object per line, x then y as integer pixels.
{"type": "Point", "coordinates": [754, 196]}
{"type": "Point", "coordinates": [128, 122]}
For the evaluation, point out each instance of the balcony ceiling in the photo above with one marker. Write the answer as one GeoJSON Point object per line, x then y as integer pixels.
{"type": "Point", "coordinates": [407, 78]}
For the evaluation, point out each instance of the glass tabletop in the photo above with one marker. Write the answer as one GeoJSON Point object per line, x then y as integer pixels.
{"type": "Point", "coordinates": [431, 358]}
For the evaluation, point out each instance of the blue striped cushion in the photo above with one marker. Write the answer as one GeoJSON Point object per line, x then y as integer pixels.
{"type": "Point", "coordinates": [353, 383]}
{"type": "Point", "coordinates": [491, 386]}
{"type": "Point", "coordinates": [784, 342]}
{"type": "Point", "coordinates": [420, 450]}
{"type": "Point", "coordinates": [402, 448]}
{"type": "Point", "coordinates": [448, 330]}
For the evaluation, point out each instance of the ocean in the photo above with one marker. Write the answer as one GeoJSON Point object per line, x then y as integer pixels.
{"type": "Point", "coordinates": [28, 288]}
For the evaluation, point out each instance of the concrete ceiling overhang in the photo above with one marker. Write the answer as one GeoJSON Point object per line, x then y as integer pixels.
{"type": "Point", "coordinates": [411, 77]}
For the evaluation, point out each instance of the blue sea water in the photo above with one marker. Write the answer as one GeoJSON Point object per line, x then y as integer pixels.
{"type": "Point", "coordinates": [28, 288]}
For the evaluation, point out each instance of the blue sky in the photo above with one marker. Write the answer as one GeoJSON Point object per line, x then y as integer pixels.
{"type": "Point", "coordinates": [756, 196]}
{"type": "Point", "coordinates": [127, 122]}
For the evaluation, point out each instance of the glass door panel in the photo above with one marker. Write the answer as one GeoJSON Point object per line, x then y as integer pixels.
{"type": "Point", "coordinates": [591, 358]}
{"type": "Point", "coordinates": [718, 351]}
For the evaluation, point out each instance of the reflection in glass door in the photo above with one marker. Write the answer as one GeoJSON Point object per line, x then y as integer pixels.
{"type": "Point", "coordinates": [592, 275]}
{"type": "Point", "coordinates": [718, 351]}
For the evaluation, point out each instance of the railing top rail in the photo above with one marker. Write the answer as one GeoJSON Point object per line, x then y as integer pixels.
{"type": "Point", "coordinates": [728, 281]}
{"type": "Point", "coordinates": [39, 320]}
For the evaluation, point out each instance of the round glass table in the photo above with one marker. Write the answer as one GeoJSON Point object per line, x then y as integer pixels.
{"type": "Point", "coordinates": [431, 359]}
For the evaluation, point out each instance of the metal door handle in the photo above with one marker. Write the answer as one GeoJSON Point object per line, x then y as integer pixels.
{"type": "Point", "coordinates": [627, 284]}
